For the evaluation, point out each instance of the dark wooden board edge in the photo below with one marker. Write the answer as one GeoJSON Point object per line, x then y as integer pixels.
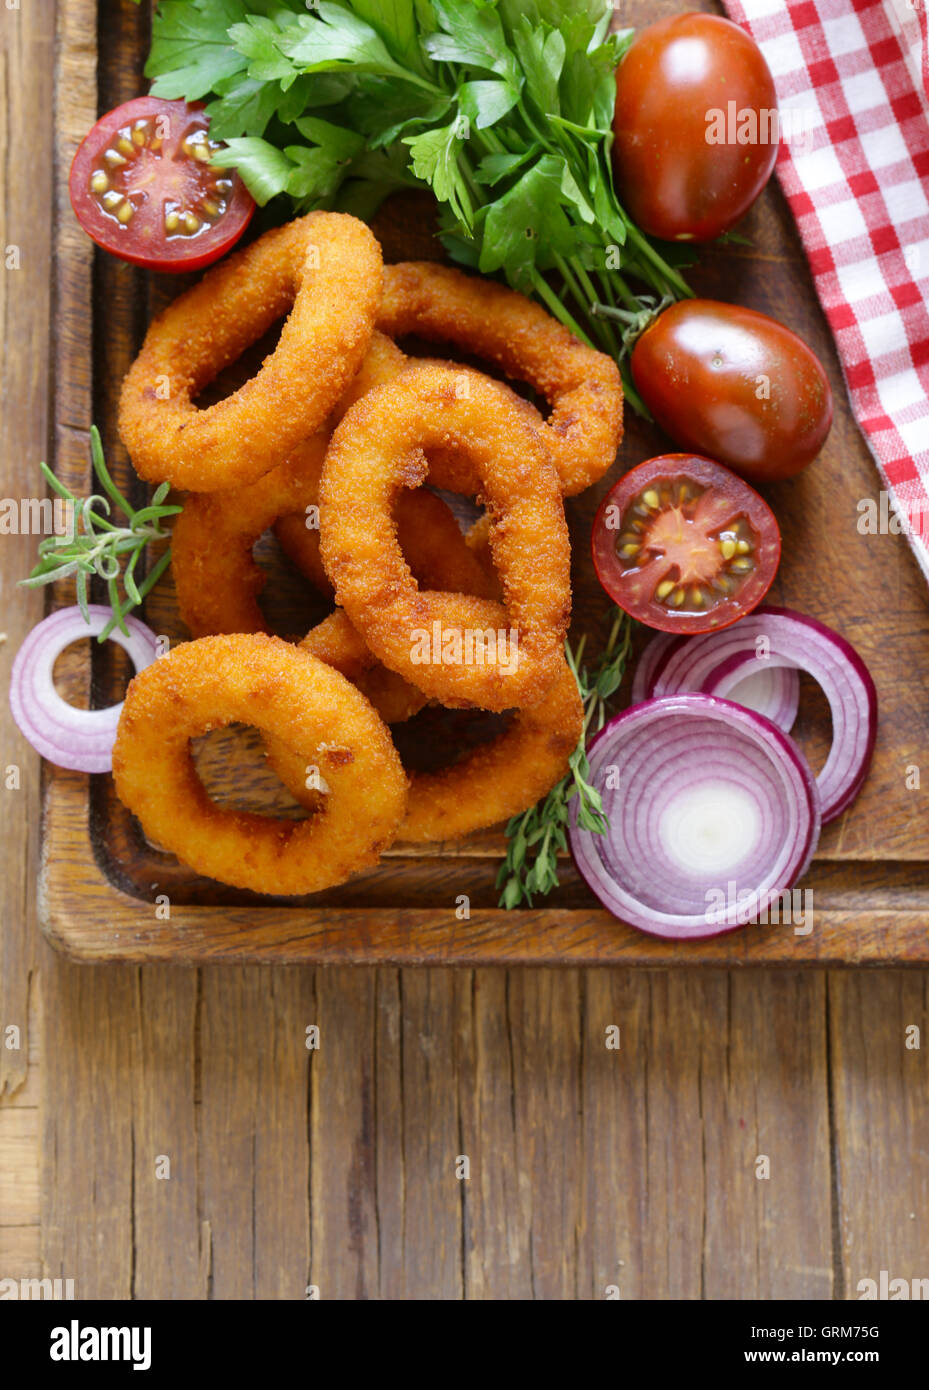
{"type": "Point", "coordinates": [89, 918]}
{"type": "Point", "coordinates": [85, 916]}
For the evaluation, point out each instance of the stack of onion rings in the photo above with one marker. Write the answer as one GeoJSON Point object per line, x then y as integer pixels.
{"type": "Point", "coordinates": [389, 550]}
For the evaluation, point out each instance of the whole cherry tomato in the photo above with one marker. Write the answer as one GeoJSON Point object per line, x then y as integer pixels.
{"type": "Point", "coordinates": [695, 125]}
{"type": "Point", "coordinates": [684, 545]}
{"type": "Point", "coordinates": [734, 384]}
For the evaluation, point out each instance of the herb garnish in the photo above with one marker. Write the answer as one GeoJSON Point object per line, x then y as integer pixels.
{"type": "Point", "coordinates": [96, 546]}
{"type": "Point", "coordinates": [535, 838]}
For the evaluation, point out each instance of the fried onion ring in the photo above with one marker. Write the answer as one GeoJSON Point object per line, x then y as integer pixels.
{"type": "Point", "coordinates": [503, 778]}
{"type": "Point", "coordinates": [337, 642]}
{"type": "Point", "coordinates": [493, 782]}
{"type": "Point", "coordinates": [216, 577]}
{"type": "Point", "coordinates": [268, 684]}
{"type": "Point", "coordinates": [326, 269]}
{"type": "Point", "coordinates": [430, 538]}
{"type": "Point", "coordinates": [377, 450]}
{"type": "Point", "coordinates": [218, 581]}
{"type": "Point", "coordinates": [582, 386]}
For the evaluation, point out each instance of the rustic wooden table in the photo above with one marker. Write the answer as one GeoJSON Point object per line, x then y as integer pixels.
{"type": "Point", "coordinates": [166, 1133]}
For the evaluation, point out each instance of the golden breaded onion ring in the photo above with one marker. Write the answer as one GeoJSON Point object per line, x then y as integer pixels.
{"type": "Point", "coordinates": [326, 270]}
{"type": "Point", "coordinates": [380, 448]}
{"type": "Point", "coordinates": [337, 642]}
{"type": "Point", "coordinates": [216, 577]}
{"type": "Point", "coordinates": [491, 783]}
{"type": "Point", "coordinates": [320, 716]}
{"type": "Point", "coordinates": [582, 386]}
{"type": "Point", "coordinates": [503, 778]}
{"type": "Point", "coordinates": [431, 540]}
{"type": "Point", "coordinates": [218, 581]}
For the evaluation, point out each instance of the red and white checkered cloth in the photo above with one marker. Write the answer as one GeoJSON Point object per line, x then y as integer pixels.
{"type": "Point", "coordinates": [852, 80]}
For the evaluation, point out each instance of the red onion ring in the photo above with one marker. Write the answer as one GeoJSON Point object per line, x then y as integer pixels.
{"type": "Point", "coordinates": [651, 660]}
{"type": "Point", "coordinates": [79, 739]}
{"type": "Point", "coordinates": [714, 814]}
{"type": "Point", "coordinates": [773, 691]}
{"type": "Point", "coordinates": [714, 664]}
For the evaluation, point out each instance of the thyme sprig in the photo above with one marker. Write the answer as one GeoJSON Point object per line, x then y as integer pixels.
{"type": "Point", "coordinates": [95, 545]}
{"type": "Point", "coordinates": [536, 837]}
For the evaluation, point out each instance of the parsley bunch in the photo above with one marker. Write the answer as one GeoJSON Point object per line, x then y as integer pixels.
{"type": "Point", "coordinates": [502, 107]}
{"type": "Point", "coordinates": [535, 838]}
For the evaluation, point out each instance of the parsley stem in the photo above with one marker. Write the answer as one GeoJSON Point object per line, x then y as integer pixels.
{"type": "Point", "coordinates": [591, 299]}
{"type": "Point", "coordinates": [667, 272]}
{"type": "Point", "coordinates": [531, 125]}
{"type": "Point", "coordinates": [544, 290]}
{"type": "Point", "coordinates": [567, 273]}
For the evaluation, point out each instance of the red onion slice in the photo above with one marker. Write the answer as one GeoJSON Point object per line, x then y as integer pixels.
{"type": "Point", "coordinates": [713, 814]}
{"type": "Point", "coordinates": [650, 662]}
{"type": "Point", "coordinates": [771, 691]}
{"type": "Point", "coordinates": [779, 637]}
{"type": "Point", "coordinates": [80, 739]}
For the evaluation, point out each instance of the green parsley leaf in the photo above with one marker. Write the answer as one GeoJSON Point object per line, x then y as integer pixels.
{"type": "Point", "coordinates": [332, 38]}
{"type": "Point", "coordinates": [245, 107]}
{"type": "Point", "coordinates": [316, 175]}
{"type": "Point", "coordinates": [473, 37]}
{"type": "Point", "coordinates": [395, 21]}
{"type": "Point", "coordinates": [265, 169]}
{"type": "Point", "coordinates": [190, 50]}
{"type": "Point", "coordinates": [342, 144]}
{"type": "Point", "coordinates": [486, 103]}
{"type": "Point", "coordinates": [386, 110]}
{"type": "Point", "coordinates": [310, 91]}
{"type": "Point", "coordinates": [257, 41]}
{"type": "Point", "coordinates": [434, 159]}
{"type": "Point", "coordinates": [542, 54]}
{"type": "Point", "coordinates": [493, 168]}
{"type": "Point", "coordinates": [528, 225]}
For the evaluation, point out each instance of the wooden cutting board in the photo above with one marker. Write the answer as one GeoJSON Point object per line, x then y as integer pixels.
{"type": "Point", "coordinates": [106, 894]}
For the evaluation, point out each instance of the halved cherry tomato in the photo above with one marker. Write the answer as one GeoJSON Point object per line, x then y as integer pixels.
{"type": "Point", "coordinates": [695, 125]}
{"type": "Point", "coordinates": [684, 545]}
{"type": "Point", "coordinates": [142, 186]}
{"type": "Point", "coordinates": [734, 384]}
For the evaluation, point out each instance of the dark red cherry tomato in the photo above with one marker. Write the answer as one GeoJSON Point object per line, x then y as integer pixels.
{"type": "Point", "coordinates": [142, 186]}
{"type": "Point", "coordinates": [734, 384]}
{"type": "Point", "coordinates": [695, 126]}
{"type": "Point", "coordinates": [684, 545]}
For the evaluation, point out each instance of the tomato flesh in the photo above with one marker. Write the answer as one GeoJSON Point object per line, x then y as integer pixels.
{"type": "Point", "coordinates": [736, 385]}
{"type": "Point", "coordinates": [143, 187]}
{"type": "Point", "coordinates": [695, 127]}
{"type": "Point", "coordinates": [684, 545]}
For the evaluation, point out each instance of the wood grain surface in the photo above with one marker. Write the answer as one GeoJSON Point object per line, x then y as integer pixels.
{"type": "Point", "coordinates": [591, 1170]}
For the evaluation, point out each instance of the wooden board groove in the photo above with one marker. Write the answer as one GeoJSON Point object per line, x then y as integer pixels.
{"type": "Point", "coordinates": [871, 883]}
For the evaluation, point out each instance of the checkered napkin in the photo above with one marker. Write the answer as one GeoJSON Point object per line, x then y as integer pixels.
{"type": "Point", "coordinates": [852, 80]}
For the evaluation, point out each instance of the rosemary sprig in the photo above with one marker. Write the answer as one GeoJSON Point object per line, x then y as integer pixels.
{"type": "Point", "coordinates": [536, 836]}
{"type": "Point", "coordinates": [95, 545]}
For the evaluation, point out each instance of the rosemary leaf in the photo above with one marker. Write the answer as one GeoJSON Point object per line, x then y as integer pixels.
{"type": "Point", "coordinates": [98, 545]}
